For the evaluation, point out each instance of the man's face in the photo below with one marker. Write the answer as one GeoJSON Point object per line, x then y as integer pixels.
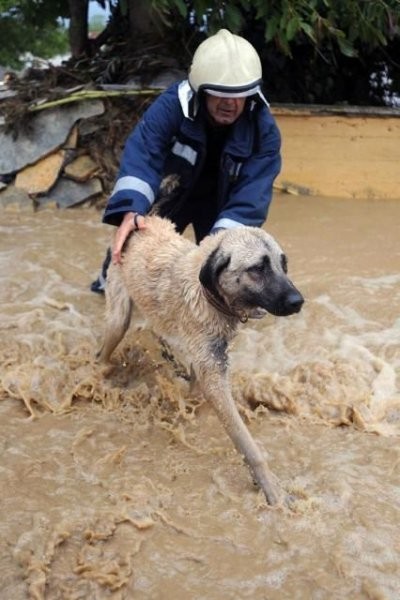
{"type": "Point", "coordinates": [224, 111]}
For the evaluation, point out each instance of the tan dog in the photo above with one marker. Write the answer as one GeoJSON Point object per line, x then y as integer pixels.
{"type": "Point", "coordinates": [194, 297]}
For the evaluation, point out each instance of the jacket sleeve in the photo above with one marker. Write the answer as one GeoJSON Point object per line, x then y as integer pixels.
{"type": "Point", "coordinates": [250, 196]}
{"type": "Point", "coordinates": [143, 158]}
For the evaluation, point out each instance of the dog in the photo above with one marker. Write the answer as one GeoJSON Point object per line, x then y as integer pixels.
{"type": "Point", "coordinates": [194, 297]}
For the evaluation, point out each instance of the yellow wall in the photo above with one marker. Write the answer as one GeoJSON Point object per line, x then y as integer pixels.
{"type": "Point", "coordinates": [342, 153]}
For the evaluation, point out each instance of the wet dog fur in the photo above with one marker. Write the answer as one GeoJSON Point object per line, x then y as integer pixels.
{"type": "Point", "coordinates": [194, 297]}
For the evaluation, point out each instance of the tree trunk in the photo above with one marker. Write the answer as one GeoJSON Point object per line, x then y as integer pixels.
{"type": "Point", "coordinates": [144, 21]}
{"type": "Point", "coordinates": [78, 28]}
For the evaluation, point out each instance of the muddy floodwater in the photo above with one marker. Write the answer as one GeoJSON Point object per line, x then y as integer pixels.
{"type": "Point", "coordinates": [119, 482]}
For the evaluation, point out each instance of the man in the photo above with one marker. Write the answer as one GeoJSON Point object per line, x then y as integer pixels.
{"type": "Point", "coordinates": [214, 137]}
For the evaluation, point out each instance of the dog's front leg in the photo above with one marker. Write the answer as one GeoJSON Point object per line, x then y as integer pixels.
{"type": "Point", "coordinates": [216, 389]}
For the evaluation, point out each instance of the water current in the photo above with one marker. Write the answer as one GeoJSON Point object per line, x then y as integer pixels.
{"type": "Point", "coordinates": [119, 482]}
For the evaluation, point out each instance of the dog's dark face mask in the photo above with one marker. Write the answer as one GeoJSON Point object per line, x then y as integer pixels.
{"type": "Point", "coordinates": [247, 272]}
{"type": "Point", "coordinates": [263, 288]}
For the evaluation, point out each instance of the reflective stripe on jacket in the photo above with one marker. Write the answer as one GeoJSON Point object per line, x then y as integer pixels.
{"type": "Point", "coordinates": [168, 140]}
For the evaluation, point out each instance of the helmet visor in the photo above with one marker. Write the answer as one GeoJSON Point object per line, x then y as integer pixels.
{"type": "Point", "coordinates": [229, 92]}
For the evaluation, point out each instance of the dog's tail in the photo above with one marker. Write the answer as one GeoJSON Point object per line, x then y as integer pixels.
{"type": "Point", "coordinates": [118, 313]}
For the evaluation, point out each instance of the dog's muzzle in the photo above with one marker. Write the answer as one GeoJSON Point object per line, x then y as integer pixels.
{"type": "Point", "coordinates": [283, 301]}
{"type": "Point", "coordinates": [288, 304]}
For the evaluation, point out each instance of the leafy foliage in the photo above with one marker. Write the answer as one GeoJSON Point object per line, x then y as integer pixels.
{"type": "Point", "coordinates": [31, 26]}
{"type": "Point", "coordinates": [317, 51]}
{"type": "Point", "coordinates": [327, 24]}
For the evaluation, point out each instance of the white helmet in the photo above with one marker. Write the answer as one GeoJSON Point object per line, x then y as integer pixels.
{"type": "Point", "coordinates": [226, 65]}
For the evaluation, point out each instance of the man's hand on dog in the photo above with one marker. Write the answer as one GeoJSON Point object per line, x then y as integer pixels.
{"type": "Point", "coordinates": [131, 222]}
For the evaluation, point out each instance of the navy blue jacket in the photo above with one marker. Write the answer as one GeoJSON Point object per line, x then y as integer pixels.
{"type": "Point", "coordinates": [171, 139]}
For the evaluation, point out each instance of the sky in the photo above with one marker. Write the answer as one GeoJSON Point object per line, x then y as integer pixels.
{"type": "Point", "coordinates": [95, 9]}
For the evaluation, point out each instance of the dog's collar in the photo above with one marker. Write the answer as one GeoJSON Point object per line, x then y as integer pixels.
{"type": "Point", "coordinates": [222, 307]}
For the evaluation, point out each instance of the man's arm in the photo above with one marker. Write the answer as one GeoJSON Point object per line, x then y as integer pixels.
{"type": "Point", "coordinates": [143, 159]}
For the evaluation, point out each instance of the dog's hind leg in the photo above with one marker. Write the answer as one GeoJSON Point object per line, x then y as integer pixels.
{"type": "Point", "coordinates": [118, 313]}
{"type": "Point", "coordinates": [215, 386]}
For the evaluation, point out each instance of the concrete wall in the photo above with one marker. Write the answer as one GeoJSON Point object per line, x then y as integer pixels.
{"type": "Point", "coordinates": [341, 152]}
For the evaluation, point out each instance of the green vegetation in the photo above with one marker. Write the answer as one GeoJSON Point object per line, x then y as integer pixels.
{"type": "Point", "coordinates": [31, 26]}
{"type": "Point", "coordinates": [316, 51]}
{"type": "Point", "coordinates": [349, 25]}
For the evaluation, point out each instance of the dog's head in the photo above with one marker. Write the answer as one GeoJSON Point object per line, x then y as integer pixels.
{"type": "Point", "coordinates": [247, 272]}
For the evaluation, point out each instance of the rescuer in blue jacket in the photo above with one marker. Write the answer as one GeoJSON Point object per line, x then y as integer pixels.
{"type": "Point", "coordinates": [205, 153]}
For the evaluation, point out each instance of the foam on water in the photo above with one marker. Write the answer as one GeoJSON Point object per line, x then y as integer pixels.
{"type": "Point", "coordinates": [119, 482]}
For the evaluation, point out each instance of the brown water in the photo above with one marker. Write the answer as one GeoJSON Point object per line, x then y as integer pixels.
{"type": "Point", "coordinates": [119, 483]}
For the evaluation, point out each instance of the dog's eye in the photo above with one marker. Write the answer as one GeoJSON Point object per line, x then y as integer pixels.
{"type": "Point", "coordinates": [284, 263]}
{"type": "Point", "coordinates": [260, 267]}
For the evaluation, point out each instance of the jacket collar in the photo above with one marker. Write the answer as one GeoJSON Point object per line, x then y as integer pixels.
{"type": "Point", "coordinates": [188, 99]}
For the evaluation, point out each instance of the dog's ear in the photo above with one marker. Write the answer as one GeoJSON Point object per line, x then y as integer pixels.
{"type": "Point", "coordinates": [212, 269]}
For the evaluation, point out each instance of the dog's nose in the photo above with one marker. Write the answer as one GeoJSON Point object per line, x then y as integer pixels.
{"type": "Point", "coordinates": [293, 302]}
